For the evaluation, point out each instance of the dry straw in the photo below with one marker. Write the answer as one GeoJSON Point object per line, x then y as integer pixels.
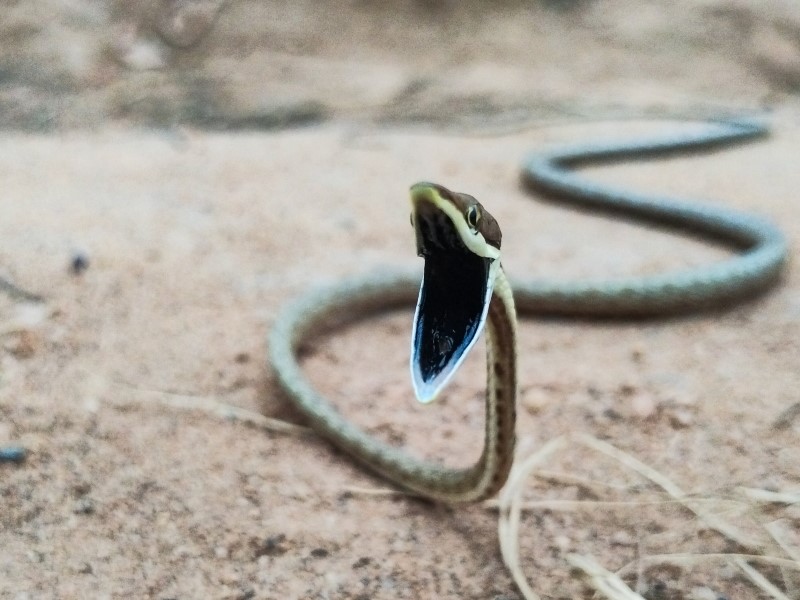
{"type": "Point", "coordinates": [511, 505]}
{"type": "Point", "coordinates": [610, 584]}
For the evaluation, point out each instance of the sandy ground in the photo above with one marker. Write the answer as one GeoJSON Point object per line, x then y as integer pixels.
{"type": "Point", "coordinates": [195, 238]}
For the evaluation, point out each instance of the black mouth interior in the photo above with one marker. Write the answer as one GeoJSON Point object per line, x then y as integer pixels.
{"type": "Point", "coordinates": [450, 309]}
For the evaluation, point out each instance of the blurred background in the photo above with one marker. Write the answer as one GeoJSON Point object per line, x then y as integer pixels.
{"type": "Point", "coordinates": [163, 254]}
{"type": "Point", "coordinates": [260, 64]}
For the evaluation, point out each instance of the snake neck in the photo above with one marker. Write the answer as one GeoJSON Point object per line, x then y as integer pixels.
{"type": "Point", "coordinates": [501, 391]}
{"type": "Point", "coordinates": [488, 475]}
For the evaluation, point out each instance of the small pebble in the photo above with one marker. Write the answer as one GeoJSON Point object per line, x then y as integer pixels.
{"type": "Point", "coordinates": [84, 506]}
{"type": "Point", "coordinates": [643, 406]}
{"type": "Point", "coordinates": [24, 343]}
{"type": "Point", "coordinates": [274, 545]}
{"type": "Point", "coordinates": [143, 55]}
{"type": "Point", "coordinates": [79, 263]}
{"type": "Point", "coordinates": [85, 569]}
{"type": "Point", "coordinates": [534, 400]}
{"type": "Point", "coordinates": [13, 454]}
{"type": "Point", "coordinates": [563, 543]}
{"type": "Point", "coordinates": [703, 593]}
{"type": "Point", "coordinates": [637, 355]}
{"type": "Point", "coordinates": [681, 418]}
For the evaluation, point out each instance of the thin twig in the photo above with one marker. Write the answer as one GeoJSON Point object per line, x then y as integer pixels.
{"type": "Point", "coordinates": [759, 580]}
{"type": "Point", "coordinates": [684, 559]}
{"type": "Point", "coordinates": [767, 496]}
{"type": "Point", "coordinates": [14, 291]}
{"type": "Point", "coordinates": [712, 520]}
{"type": "Point", "coordinates": [510, 510]}
{"type": "Point", "coordinates": [602, 580]}
{"type": "Point", "coordinates": [781, 537]}
{"type": "Point", "coordinates": [576, 505]}
{"type": "Point", "coordinates": [220, 409]}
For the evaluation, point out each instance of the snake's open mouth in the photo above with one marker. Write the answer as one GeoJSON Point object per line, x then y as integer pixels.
{"type": "Point", "coordinates": [453, 299]}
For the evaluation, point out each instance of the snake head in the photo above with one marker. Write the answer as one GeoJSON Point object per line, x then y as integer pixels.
{"type": "Point", "coordinates": [460, 243]}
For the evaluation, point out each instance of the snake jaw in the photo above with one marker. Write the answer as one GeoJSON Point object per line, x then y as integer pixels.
{"type": "Point", "coordinates": [450, 315]}
{"type": "Point", "coordinates": [457, 286]}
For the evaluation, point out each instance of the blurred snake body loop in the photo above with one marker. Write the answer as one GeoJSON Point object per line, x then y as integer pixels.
{"type": "Point", "coordinates": [760, 254]}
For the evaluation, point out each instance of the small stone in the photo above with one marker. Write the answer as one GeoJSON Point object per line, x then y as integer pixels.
{"type": "Point", "coordinates": [703, 593]}
{"type": "Point", "coordinates": [79, 263]}
{"type": "Point", "coordinates": [23, 343]}
{"type": "Point", "coordinates": [143, 55]}
{"type": "Point", "coordinates": [534, 400]}
{"type": "Point", "coordinates": [562, 542]}
{"type": "Point", "coordinates": [84, 506]}
{"type": "Point", "coordinates": [85, 569]}
{"type": "Point", "coordinates": [274, 545]}
{"type": "Point", "coordinates": [13, 454]}
{"type": "Point", "coordinates": [681, 418]}
{"type": "Point", "coordinates": [81, 488]}
{"type": "Point", "coordinates": [637, 355]}
{"type": "Point", "coordinates": [643, 406]}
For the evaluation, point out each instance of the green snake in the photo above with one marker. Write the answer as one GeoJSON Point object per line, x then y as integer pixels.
{"type": "Point", "coordinates": [464, 286]}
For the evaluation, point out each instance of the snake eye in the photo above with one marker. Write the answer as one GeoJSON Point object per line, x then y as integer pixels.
{"type": "Point", "coordinates": [473, 215]}
{"type": "Point", "coordinates": [411, 219]}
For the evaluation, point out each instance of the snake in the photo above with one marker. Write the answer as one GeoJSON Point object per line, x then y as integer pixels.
{"type": "Point", "coordinates": [464, 290]}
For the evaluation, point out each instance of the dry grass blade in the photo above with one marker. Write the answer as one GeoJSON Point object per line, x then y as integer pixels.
{"type": "Point", "coordinates": [673, 490]}
{"type": "Point", "coordinates": [604, 581]}
{"type": "Point", "coordinates": [781, 536]}
{"type": "Point", "coordinates": [572, 479]}
{"type": "Point", "coordinates": [218, 409]}
{"type": "Point", "coordinates": [17, 293]}
{"type": "Point", "coordinates": [767, 496]}
{"type": "Point", "coordinates": [376, 492]}
{"type": "Point", "coordinates": [510, 505]}
{"type": "Point", "coordinates": [510, 509]}
{"type": "Point", "coordinates": [576, 505]}
{"type": "Point", "coordinates": [688, 559]}
{"type": "Point", "coordinates": [759, 580]}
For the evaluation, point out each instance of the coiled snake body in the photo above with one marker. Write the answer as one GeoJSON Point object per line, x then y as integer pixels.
{"type": "Point", "coordinates": [449, 232]}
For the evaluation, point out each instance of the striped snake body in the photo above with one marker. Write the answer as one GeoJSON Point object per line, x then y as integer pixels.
{"type": "Point", "coordinates": [761, 254]}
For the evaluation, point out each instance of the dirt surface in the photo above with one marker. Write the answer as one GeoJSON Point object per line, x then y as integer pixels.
{"type": "Point", "coordinates": [163, 248]}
